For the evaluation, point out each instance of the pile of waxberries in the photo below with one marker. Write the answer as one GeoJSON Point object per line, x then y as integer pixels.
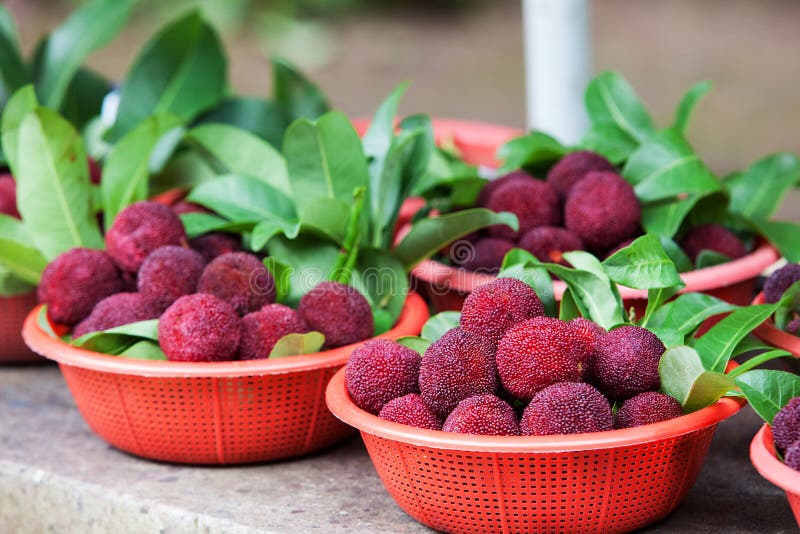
{"type": "Point", "coordinates": [774, 288]}
{"type": "Point", "coordinates": [786, 433]}
{"type": "Point", "coordinates": [584, 204]}
{"type": "Point", "coordinates": [214, 302]}
{"type": "Point", "coordinates": [508, 369]}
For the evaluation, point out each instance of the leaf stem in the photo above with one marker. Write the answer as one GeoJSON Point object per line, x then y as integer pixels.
{"type": "Point", "coordinates": [343, 268]}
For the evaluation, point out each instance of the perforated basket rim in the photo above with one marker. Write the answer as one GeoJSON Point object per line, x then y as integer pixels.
{"type": "Point", "coordinates": [766, 462]}
{"type": "Point", "coordinates": [412, 317]}
{"type": "Point", "coordinates": [768, 332]}
{"type": "Point", "coordinates": [340, 404]}
{"type": "Point", "coordinates": [699, 280]}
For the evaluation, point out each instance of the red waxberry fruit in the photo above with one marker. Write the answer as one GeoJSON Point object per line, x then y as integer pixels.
{"type": "Point", "coordinates": [626, 362]}
{"type": "Point", "coordinates": [514, 176]}
{"type": "Point", "coordinates": [262, 329]}
{"type": "Point", "coordinates": [240, 279]}
{"type": "Point", "coordinates": [8, 196]}
{"type": "Point", "coordinates": [715, 238]}
{"type": "Point", "coordinates": [340, 312]}
{"type": "Point", "coordinates": [532, 201]}
{"type": "Point", "coordinates": [540, 352]}
{"type": "Point", "coordinates": [786, 425]}
{"type": "Point", "coordinates": [140, 229]}
{"type": "Point", "coordinates": [117, 310]}
{"type": "Point", "coordinates": [484, 255]}
{"type": "Point", "coordinates": [567, 408]}
{"type": "Point", "coordinates": [410, 410]}
{"type": "Point", "coordinates": [458, 365]}
{"type": "Point", "coordinates": [75, 282]}
{"type": "Point", "coordinates": [549, 243]}
{"type": "Point", "coordinates": [215, 244]}
{"type": "Point", "coordinates": [646, 408]}
{"type": "Point", "coordinates": [491, 309]}
{"type": "Point", "coordinates": [200, 328]}
{"type": "Point", "coordinates": [483, 414]}
{"type": "Point", "coordinates": [169, 273]}
{"type": "Point", "coordinates": [779, 281]}
{"type": "Point", "coordinates": [573, 168]}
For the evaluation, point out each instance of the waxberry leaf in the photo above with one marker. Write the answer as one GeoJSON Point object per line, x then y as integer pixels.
{"type": "Point", "coordinates": [785, 236]}
{"type": "Point", "coordinates": [297, 344]}
{"type": "Point", "coordinates": [296, 96]}
{"type": "Point", "coordinates": [415, 343]}
{"type": "Point", "coordinates": [21, 103]}
{"type": "Point", "coordinates": [517, 264]}
{"type": "Point", "coordinates": [116, 340]}
{"type": "Point", "coordinates": [281, 273]}
{"type": "Point", "coordinates": [757, 192]}
{"type": "Point", "coordinates": [144, 350]}
{"type": "Point", "coordinates": [440, 324]}
{"type": "Point", "coordinates": [643, 265]}
{"type": "Point", "coordinates": [684, 377]}
{"type": "Point", "coordinates": [710, 258]}
{"type": "Point", "coordinates": [768, 391]}
{"type": "Point", "coordinates": [611, 100]}
{"type": "Point", "coordinates": [535, 151]}
{"type": "Point", "coordinates": [688, 103]}
{"type": "Point", "coordinates": [256, 115]}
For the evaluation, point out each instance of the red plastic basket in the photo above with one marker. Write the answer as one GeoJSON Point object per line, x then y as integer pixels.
{"type": "Point", "coordinates": [766, 462]}
{"type": "Point", "coordinates": [209, 413]}
{"type": "Point", "coordinates": [13, 311]}
{"type": "Point", "coordinates": [602, 482]}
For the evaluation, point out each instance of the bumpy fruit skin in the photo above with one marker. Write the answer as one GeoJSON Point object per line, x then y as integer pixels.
{"type": "Point", "coordinates": [169, 273]}
{"type": "Point", "coordinates": [340, 312]}
{"type": "Point", "coordinates": [8, 196]}
{"type": "Point", "coordinates": [540, 352]}
{"type": "Point", "coordinates": [140, 229]}
{"type": "Point", "coordinates": [381, 370]}
{"type": "Point", "coordinates": [483, 414]}
{"type": "Point", "coordinates": [458, 365]}
{"type": "Point", "coordinates": [117, 310]}
{"type": "Point", "coordinates": [515, 176]}
{"type": "Point", "coordinates": [263, 328]}
{"type": "Point", "coordinates": [712, 237]}
{"type": "Point", "coordinates": [602, 209]}
{"type": "Point", "coordinates": [240, 279]}
{"type": "Point", "coordinates": [495, 307]}
{"type": "Point", "coordinates": [573, 168]}
{"type": "Point", "coordinates": [410, 410]}
{"type": "Point", "coordinates": [786, 425]}
{"type": "Point", "coordinates": [200, 328]}
{"type": "Point", "coordinates": [567, 408]}
{"type": "Point", "coordinates": [486, 255]}
{"type": "Point", "coordinates": [75, 282]}
{"type": "Point", "coordinates": [793, 327]}
{"type": "Point", "coordinates": [215, 244]}
{"type": "Point", "coordinates": [646, 408]}
{"type": "Point", "coordinates": [792, 456]}
{"type": "Point", "coordinates": [588, 331]}
{"type": "Point", "coordinates": [548, 243]}
{"type": "Point", "coordinates": [779, 281]}
{"type": "Point", "coordinates": [532, 201]}
{"type": "Point", "coordinates": [626, 362]}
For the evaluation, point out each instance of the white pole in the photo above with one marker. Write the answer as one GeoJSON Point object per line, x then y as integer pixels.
{"type": "Point", "coordinates": [557, 66]}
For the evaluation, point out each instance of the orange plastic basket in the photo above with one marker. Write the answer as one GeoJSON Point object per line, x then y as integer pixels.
{"type": "Point", "coordinates": [13, 311]}
{"type": "Point", "coordinates": [602, 482]}
{"type": "Point", "coordinates": [209, 413]}
{"type": "Point", "coordinates": [766, 462]}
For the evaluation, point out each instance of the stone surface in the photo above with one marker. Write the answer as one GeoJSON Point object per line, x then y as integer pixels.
{"type": "Point", "coordinates": [56, 475]}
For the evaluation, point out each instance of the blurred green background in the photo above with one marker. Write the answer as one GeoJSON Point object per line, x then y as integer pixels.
{"type": "Point", "coordinates": [464, 57]}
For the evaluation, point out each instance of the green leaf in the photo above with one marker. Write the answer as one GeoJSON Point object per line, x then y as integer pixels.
{"type": "Point", "coordinates": [517, 264]}
{"type": "Point", "coordinates": [16, 254]}
{"type": "Point", "coordinates": [258, 116]}
{"type": "Point", "coordinates": [664, 217]}
{"type": "Point", "coordinates": [21, 103]}
{"type": "Point", "coordinates": [610, 141]}
{"type": "Point", "coordinates": [688, 103]}
{"type": "Point", "coordinates": [182, 71]}
{"type": "Point", "coordinates": [232, 150]}
{"type": "Point", "coordinates": [448, 176]}
{"type": "Point", "coordinates": [415, 343]}
{"type": "Point", "coordinates": [12, 285]}
{"type": "Point", "coordinates": [43, 322]}
{"type": "Point", "coordinates": [185, 170]}
{"type": "Point", "coordinates": [684, 378]}
{"type": "Point", "coordinates": [296, 96]}
{"type": "Point", "coordinates": [762, 358]}
{"type": "Point", "coordinates": [611, 100]}
{"type": "Point", "coordinates": [768, 391]}
{"type": "Point", "coordinates": [116, 340]}
{"type": "Point", "coordinates": [676, 254]}
{"type": "Point", "coordinates": [656, 298]}
{"type": "Point", "coordinates": [784, 235]}
{"type": "Point", "coordinates": [244, 199]}
{"type": "Point", "coordinates": [710, 258]}
{"type": "Point", "coordinates": [381, 278]}
{"type": "Point", "coordinates": [325, 160]}
{"type": "Point", "coordinates": [127, 168]}
{"type": "Point", "coordinates": [309, 261]}
{"type": "Point", "coordinates": [13, 73]}
{"type": "Point", "coordinates": [643, 265]}
{"type": "Point", "coordinates": [685, 314]}
{"type": "Point", "coordinates": [535, 151]}
{"type": "Point", "coordinates": [429, 235]}
{"type": "Point", "coordinates": [667, 167]}
{"type": "Point", "coordinates": [716, 346]}
{"type": "Point", "coordinates": [88, 28]}
{"type": "Point", "coordinates": [757, 192]}
{"type": "Point", "coordinates": [343, 268]}
{"type": "Point", "coordinates": [569, 308]}
{"type": "Point", "coordinates": [197, 224]}
{"type": "Point", "coordinates": [380, 134]}
{"type": "Point", "coordinates": [144, 350]}
{"type": "Point", "coordinates": [282, 274]}
{"type": "Point", "coordinates": [297, 345]}
{"type": "Point", "coordinates": [53, 190]}
{"type": "Point", "coordinates": [440, 324]}
{"type": "Point", "coordinates": [84, 98]}
{"type": "Point", "coordinates": [266, 230]}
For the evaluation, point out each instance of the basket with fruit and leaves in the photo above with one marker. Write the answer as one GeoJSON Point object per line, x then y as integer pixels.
{"type": "Point", "coordinates": [139, 127]}
{"type": "Point", "coordinates": [624, 178]}
{"type": "Point", "coordinates": [783, 328]}
{"type": "Point", "coordinates": [229, 344]}
{"type": "Point", "coordinates": [522, 416]}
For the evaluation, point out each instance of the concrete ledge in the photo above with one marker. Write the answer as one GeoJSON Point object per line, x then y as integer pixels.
{"type": "Point", "coordinates": [56, 475]}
